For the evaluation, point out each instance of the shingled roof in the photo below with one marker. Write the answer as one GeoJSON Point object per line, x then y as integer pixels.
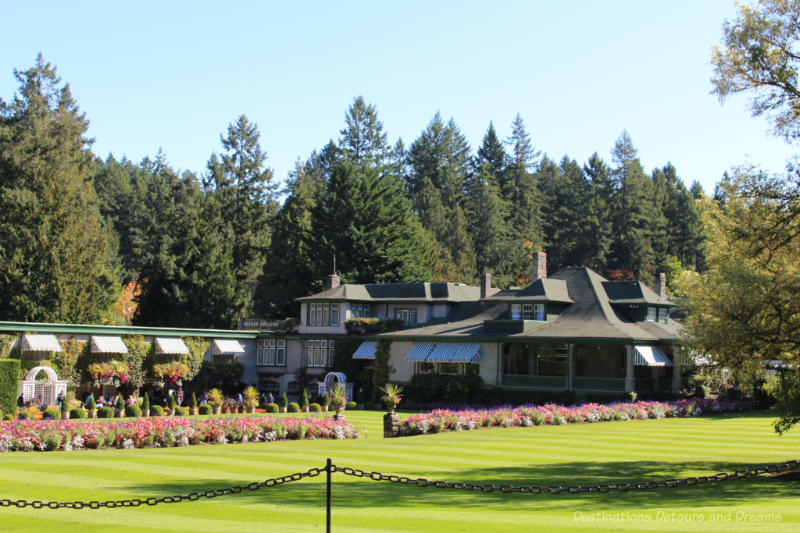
{"type": "Point", "coordinates": [399, 292]}
{"type": "Point", "coordinates": [591, 317]}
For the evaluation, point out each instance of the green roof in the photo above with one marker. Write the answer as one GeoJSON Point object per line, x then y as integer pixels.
{"type": "Point", "coordinates": [399, 292]}
{"type": "Point", "coordinates": [92, 329]}
{"type": "Point", "coordinates": [632, 292]}
{"type": "Point", "coordinates": [541, 291]}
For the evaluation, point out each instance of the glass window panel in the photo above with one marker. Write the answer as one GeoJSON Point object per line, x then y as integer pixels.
{"type": "Point", "coordinates": [334, 314]}
{"type": "Point", "coordinates": [516, 312]}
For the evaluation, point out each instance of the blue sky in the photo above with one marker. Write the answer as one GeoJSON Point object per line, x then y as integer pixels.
{"type": "Point", "coordinates": [174, 75]}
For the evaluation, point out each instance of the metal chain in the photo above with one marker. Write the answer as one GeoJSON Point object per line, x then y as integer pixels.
{"type": "Point", "coordinates": [192, 496]}
{"type": "Point", "coordinates": [571, 489]}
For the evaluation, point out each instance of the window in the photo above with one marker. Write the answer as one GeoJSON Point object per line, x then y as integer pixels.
{"type": "Point", "coordinates": [360, 311]}
{"type": "Point", "coordinates": [271, 352]}
{"type": "Point", "coordinates": [450, 368]}
{"type": "Point", "coordinates": [527, 312]}
{"type": "Point", "coordinates": [323, 314]}
{"type": "Point", "coordinates": [425, 368]}
{"type": "Point", "coordinates": [408, 316]}
{"type": "Point", "coordinates": [516, 312]}
{"type": "Point", "coordinates": [293, 387]}
{"type": "Point", "coordinates": [267, 385]}
{"type": "Point", "coordinates": [538, 312]}
{"type": "Point", "coordinates": [318, 353]}
{"type": "Point", "coordinates": [651, 314]}
{"type": "Point", "coordinates": [662, 315]}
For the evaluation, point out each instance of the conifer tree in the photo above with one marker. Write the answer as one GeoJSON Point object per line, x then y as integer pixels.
{"type": "Point", "coordinates": [54, 251]}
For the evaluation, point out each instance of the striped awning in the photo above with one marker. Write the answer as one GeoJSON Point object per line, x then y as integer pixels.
{"type": "Point", "coordinates": [108, 344]}
{"type": "Point", "coordinates": [420, 351]}
{"type": "Point", "coordinates": [366, 350]}
{"type": "Point", "coordinates": [455, 352]}
{"type": "Point", "coordinates": [171, 345]}
{"type": "Point", "coordinates": [650, 356]}
{"type": "Point", "coordinates": [40, 343]}
{"type": "Point", "coordinates": [228, 346]}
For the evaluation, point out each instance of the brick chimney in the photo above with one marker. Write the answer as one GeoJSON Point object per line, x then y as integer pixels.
{"type": "Point", "coordinates": [486, 284]}
{"type": "Point", "coordinates": [539, 268]}
{"type": "Point", "coordinates": [333, 281]}
{"type": "Point", "coordinates": [661, 285]}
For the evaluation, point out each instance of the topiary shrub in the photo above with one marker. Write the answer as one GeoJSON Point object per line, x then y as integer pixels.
{"type": "Point", "coordinates": [133, 410]}
{"type": "Point", "coordinates": [272, 407]}
{"type": "Point", "coordinates": [91, 404]}
{"type": "Point", "coordinates": [180, 411]}
{"type": "Point", "coordinates": [78, 412]}
{"type": "Point", "coordinates": [205, 409]}
{"type": "Point", "coordinates": [146, 404]}
{"type": "Point", "coordinates": [53, 413]}
{"type": "Point", "coordinates": [105, 412]}
{"type": "Point", "coordinates": [156, 410]}
{"type": "Point", "coordinates": [351, 405]}
{"type": "Point", "coordinates": [315, 407]}
{"type": "Point", "coordinates": [293, 407]}
{"type": "Point", "coordinates": [9, 384]}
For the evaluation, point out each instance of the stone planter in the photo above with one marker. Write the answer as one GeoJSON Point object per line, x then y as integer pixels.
{"type": "Point", "coordinates": [338, 415]}
{"type": "Point", "coordinates": [325, 408]}
{"type": "Point", "coordinates": [305, 409]}
{"type": "Point", "coordinates": [217, 409]}
{"type": "Point", "coordinates": [92, 413]}
{"type": "Point", "coordinates": [195, 411]}
{"type": "Point", "coordinates": [119, 413]}
{"type": "Point", "coordinates": [65, 416]}
{"type": "Point", "coordinates": [251, 409]}
{"type": "Point", "coordinates": [391, 425]}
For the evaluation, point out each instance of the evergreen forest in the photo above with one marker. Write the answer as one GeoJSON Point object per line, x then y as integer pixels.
{"type": "Point", "coordinates": [90, 240]}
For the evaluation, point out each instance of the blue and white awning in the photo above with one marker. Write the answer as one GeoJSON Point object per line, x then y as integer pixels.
{"type": "Point", "coordinates": [650, 356]}
{"type": "Point", "coordinates": [420, 351]}
{"type": "Point", "coordinates": [455, 352]}
{"type": "Point", "coordinates": [366, 350]}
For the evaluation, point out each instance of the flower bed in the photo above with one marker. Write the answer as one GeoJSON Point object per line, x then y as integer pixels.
{"type": "Point", "coordinates": [526, 416]}
{"type": "Point", "coordinates": [44, 435]}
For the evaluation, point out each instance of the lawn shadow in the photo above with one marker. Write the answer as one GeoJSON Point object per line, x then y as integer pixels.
{"type": "Point", "coordinates": [353, 492]}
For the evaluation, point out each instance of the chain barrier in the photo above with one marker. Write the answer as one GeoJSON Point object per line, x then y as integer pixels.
{"type": "Point", "coordinates": [571, 489]}
{"type": "Point", "coordinates": [191, 497]}
{"type": "Point", "coordinates": [418, 482]}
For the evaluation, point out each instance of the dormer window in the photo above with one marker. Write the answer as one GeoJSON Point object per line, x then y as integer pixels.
{"type": "Point", "coordinates": [663, 313]}
{"type": "Point", "coordinates": [651, 314]}
{"type": "Point", "coordinates": [528, 312]}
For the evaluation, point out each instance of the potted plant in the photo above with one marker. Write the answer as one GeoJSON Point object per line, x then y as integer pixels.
{"type": "Point", "coordinates": [91, 405]}
{"type": "Point", "coordinates": [327, 404]}
{"type": "Point", "coordinates": [338, 400]}
{"type": "Point", "coordinates": [304, 401]}
{"type": "Point", "coordinates": [391, 397]}
{"type": "Point", "coordinates": [215, 400]}
{"type": "Point", "coordinates": [146, 405]}
{"type": "Point", "coordinates": [64, 409]}
{"type": "Point", "coordinates": [119, 408]}
{"type": "Point", "coordinates": [283, 402]}
{"type": "Point", "coordinates": [251, 399]}
{"type": "Point", "coordinates": [193, 405]}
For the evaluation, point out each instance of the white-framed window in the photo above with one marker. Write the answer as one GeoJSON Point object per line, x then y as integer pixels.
{"type": "Point", "coordinates": [318, 353]}
{"type": "Point", "coordinates": [663, 313]}
{"type": "Point", "coordinates": [651, 314]}
{"type": "Point", "coordinates": [516, 312]}
{"type": "Point", "coordinates": [408, 316]}
{"type": "Point", "coordinates": [360, 310]}
{"type": "Point", "coordinates": [323, 314]}
{"type": "Point", "coordinates": [271, 352]}
{"type": "Point", "coordinates": [527, 311]}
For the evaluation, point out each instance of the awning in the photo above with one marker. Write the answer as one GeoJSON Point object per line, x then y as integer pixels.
{"type": "Point", "coordinates": [650, 356]}
{"type": "Point", "coordinates": [171, 345]}
{"type": "Point", "coordinates": [228, 346]}
{"type": "Point", "coordinates": [40, 343]}
{"type": "Point", "coordinates": [420, 351]}
{"type": "Point", "coordinates": [366, 350]}
{"type": "Point", "coordinates": [455, 352]}
{"type": "Point", "coordinates": [108, 344]}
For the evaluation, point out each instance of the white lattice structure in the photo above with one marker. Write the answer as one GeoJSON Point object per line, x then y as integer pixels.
{"type": "Point", "coordinates": [331, 379]}
{"type": "Point", "coordinates": [43, 391]}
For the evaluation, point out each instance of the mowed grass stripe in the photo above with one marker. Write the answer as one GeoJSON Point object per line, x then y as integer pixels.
{"type": "Point", "coordinates": [546, 455]}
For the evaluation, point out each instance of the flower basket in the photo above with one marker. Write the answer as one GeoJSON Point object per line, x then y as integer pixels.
{"type": "Point", "coordinates": [171, 373]}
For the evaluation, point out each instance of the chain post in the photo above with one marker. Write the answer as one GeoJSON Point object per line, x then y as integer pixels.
{"type": "Point", "coordinates": [328, 470]}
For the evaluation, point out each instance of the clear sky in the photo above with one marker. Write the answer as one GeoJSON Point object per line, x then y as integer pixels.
{"type": "Point", "coordinates": [173, 75]}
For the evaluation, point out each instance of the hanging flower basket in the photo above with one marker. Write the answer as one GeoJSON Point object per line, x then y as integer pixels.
{"type": "Point", "coordinates": [114, 372]}
{"type": "Point", "coordinates": [171, 373]}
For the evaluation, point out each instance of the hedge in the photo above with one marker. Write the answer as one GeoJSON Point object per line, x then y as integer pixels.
{"type": "Point", "coordinates": [9, 384]}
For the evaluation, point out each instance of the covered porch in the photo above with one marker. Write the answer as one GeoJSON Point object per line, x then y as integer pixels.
{"type": "Point", "coordinates": [602, 368]}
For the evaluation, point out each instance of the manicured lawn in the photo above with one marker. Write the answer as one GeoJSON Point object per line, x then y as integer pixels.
{"type": "Point", "coordinates": [611, 452]}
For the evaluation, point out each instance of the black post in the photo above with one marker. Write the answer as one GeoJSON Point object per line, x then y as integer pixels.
{"type": "Point", "coordinates": [328, 468]}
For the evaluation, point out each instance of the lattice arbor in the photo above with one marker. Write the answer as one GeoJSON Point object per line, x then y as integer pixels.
{"type": "Point", "coordinates": [42, 391]}
{"type": "Point", "coordinates": [331, 379]}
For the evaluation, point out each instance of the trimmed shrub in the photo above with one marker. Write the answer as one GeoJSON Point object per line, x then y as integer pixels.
{"type": "Point", "coordinates": [52, 412]}
{"type": "Point", "coordinates": [105, 412]}
{"type": "Point", "coordinates": [205, 409]}
{"type": "Point", "coordinates": [9, 384]}
{"type": "Point", "coordinates": [120, 406]}
{"type": "Point", "coordinates": [315, 407]}
{"type": "Point", "coordinates": [272, 408]}
{"type": "Point", "coordinates": [156, 410]}
{"type": "Point", "coordinates": [304, 399]}
{"type": "Point", "coordinates": [146, 403]}
{"type": "Point", "coordinates": [180, 411]}
{"type": "Point", "coordinates": [193, 401]}
{"type": "Point", "coordinates": [133, 410]}
{"type": "Point", "coordinates": [351, 405]}
{"type": "Point", "coordinates": [293, 407]}
{"type": "Point", "coordinates": [78, 412]}
{"type": "Point", "coordinates": [283, 401]}
{"type": "Point", "coordinates": [91, 404]}
{"type": "Point", "coordinates": [8, 417]}
{"type": "Point", "coordinates": [171, 402]}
